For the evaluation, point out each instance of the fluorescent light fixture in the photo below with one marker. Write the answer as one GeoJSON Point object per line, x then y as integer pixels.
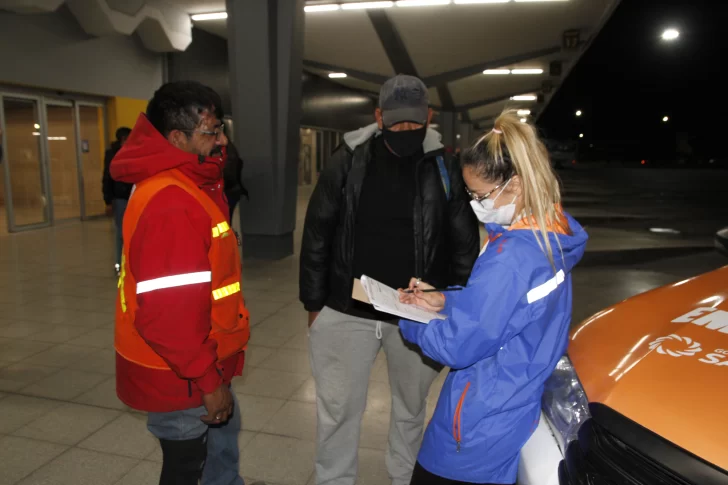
{"type": "Point", "coordinates": [527, 71]}
{"type": "Point", "coordinates": [581, 135]}
{"type": "Point", "coordinates": [524, 97]}
{"type": "Point", "coordinates": [496, 72]}
{"type": "Point", "coordinates": [471, 2]}
{"type": "Point", "coordinates": [362, 5]}
{"type": "Point", "coordinates": [36, 133]}
{"type": "Point", "coordinates": [210, 16]}
{"type": "Point", "coordinates": [321, 8]}
{"type": "Point", "coordinates": [523, 112]}
{"type": "Point", "coordinates": [337, 75]}
{"type": "Point", "coordinates": [665, 230]}
{"type": "Point", "coordinates": [670, 34]}
{"type": "Point", "coordinates": [36, 126]}
{"type": "Point", "coordinates": [421, 3]}
{"type": "Point", "coordinates": [665, 119]}
{"type": "Point", "coordinates": [578, 112]}
{"type": "Point", "coordinates": [57, 138]}
{"type": "Point", "coordinates": [524, 1]}
{"type": "Point", "coordinates": [523, 120]}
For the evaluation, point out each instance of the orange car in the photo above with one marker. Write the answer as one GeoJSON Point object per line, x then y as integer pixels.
{"type": "Point", "coordinates": [640, 397]}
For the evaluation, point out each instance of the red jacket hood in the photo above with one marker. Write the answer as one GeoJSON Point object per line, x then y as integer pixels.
{"type": "Point", "coordinates": [147, 153]}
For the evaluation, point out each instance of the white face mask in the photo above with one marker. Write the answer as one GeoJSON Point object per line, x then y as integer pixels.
{"type": "Point", "coordinates": [488, 214]}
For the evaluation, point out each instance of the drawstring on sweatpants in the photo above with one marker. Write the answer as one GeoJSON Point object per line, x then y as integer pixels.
{"type": "Point", "coordinates": [378, 331]}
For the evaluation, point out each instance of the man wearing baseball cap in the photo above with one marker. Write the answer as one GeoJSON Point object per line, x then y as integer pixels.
{"type": "Point", "coordinates": [390, 204]}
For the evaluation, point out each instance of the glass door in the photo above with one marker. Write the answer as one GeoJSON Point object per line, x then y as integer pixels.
{"type": "Point", "coordinates": [62, 160]}
{"type": "Point", "coordinates": [25, 195]}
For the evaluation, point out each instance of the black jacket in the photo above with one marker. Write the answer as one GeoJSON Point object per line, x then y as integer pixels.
{"type": "Point", "coordinates": [113, 189]}
{"type": "Point", "coordinates": [446, 232]}
{"type": "Point", "coordinates": [233, 174]}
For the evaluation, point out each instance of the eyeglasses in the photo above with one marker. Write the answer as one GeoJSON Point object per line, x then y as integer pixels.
{"type": "Point", "coordinates": [480, 198]}
{"type": "Point", "coordinates": [217, 133]}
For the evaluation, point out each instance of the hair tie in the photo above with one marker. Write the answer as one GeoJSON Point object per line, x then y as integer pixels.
{"type": "Point", "coordinates": [496, 130]}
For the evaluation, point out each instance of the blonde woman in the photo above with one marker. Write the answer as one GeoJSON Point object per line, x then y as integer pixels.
{"type": "Point", "coordinates": [506, 330]}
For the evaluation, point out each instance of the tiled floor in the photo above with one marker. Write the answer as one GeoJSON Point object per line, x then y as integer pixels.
{"type": "Point", "coordinates": [60, 420]}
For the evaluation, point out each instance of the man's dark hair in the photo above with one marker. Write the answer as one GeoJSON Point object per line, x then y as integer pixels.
{"type": "Point", "coordinates": [123, 132]}
{"type": "Point", "coordinates": [178, 106]}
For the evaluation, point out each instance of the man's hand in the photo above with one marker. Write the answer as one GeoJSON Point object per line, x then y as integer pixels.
{"type": "Point", "coordinates": [219, 405]}
{"type": "Point", "coordinates": [312, 316]}
{"type": "Point", "coordinates": [109, 210]}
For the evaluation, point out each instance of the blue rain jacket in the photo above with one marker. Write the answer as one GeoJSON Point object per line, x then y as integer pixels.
{"type": "Point", "coordinates": [503, 336]}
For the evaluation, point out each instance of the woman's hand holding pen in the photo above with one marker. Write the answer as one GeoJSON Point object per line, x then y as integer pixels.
{"type": "Point", "coordinates": [433, 301]}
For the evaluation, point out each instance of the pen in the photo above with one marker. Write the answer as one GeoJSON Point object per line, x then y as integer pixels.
{"type": "Point", "coordinates": [439, 290]}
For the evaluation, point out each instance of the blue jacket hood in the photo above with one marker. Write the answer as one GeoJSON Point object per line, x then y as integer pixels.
{"type": "Point", "coordinates": [502, 338]}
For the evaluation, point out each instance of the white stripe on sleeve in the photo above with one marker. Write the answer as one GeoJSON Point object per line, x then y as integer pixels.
{"type": "Point", "coordinates": [174, 281]}
{"type": "Point", "coordinates": [542, 291]}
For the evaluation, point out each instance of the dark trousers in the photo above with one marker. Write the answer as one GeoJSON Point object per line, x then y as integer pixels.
{"type": "Point", "coordinates": [422, 477]}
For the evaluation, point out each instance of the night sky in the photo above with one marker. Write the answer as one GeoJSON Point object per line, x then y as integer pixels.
{"type": "Point", "coordinates": [630, 78]}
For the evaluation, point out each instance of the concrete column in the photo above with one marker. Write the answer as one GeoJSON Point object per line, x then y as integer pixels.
{"type": "Point", "coordinates": [265, 46]}
{"type": "Point", "coordinates": [467, 136]}
{"type": "Point", "coordinates": [449, 127]}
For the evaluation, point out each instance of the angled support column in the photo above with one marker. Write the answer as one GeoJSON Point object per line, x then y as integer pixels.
{"type": "Point", "coordinates": [449, 127]}
{"type": "Point", "coordinates": [265, 44]}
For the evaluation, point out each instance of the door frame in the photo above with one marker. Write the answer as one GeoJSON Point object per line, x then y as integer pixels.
{"type": "Point", "coordinates": [77, 104]}
{"type": "Point", "coordinates": [43, 152]}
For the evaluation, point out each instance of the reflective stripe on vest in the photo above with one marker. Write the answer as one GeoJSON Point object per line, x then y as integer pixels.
{"type": "Point", "coordinates": [226, 291]}
{"type": "Point", "coordinates": [220, 229]}
{"type": "Point", "coordinates": [173, 281]}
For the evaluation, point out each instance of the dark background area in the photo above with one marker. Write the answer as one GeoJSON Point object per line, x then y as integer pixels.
{"type": "Point", "coordinates": [630, 78]}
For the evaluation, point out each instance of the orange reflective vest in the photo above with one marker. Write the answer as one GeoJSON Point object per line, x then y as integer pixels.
{"type": "Point", "coordinates": [229, 318]}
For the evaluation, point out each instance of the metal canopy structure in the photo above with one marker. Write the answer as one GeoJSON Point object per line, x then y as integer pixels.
{"type": "Point", "coordinates": [474, 55]}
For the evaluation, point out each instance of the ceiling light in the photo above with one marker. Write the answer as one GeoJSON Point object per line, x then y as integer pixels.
{"type": "Point", "coordinates": [665, 119]}
{"type": "Point", "coordinates": [497, 71]}
{"type": "Point", "coordinates": [36, 126]}
{"type": "Point", "coordinates": [36, 133]}
{"type": "Point", "coordinates": [670, 34]}
{"type": "Point", "coordinates": [337, 75]}
{"type": "Point", "coordinates": [523, 112]}
{"type": "Point", "coordinates": [457, 136]}
{"type": "Point", "coordinates": [665, 230]}
{"type": "Point", "coordinates": [524, 97]}
{"type": "Point", "coordinates": [581, 135]}
{"type": "Point", "coordinates": [527, 71]}
{"type": "Point", "coordinates": [541, 0]}
{"type": "Point", "coordinates": [578, 112]}
{"type": "Point", "coordinates": [470, 2]}
{"type": "Point", "coordinates": [321, 8]}
{"type": "Point", "coordinates": [421, 3]}
{"type": "Point", "coordinates": [523, 120]}
{"type": "Point", "coordinates": [210, 16]}
{"type": "Point", "coordinates": [361, 5]}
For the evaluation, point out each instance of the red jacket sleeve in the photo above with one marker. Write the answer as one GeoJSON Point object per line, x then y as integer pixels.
{"type": "Point", "coordinates": [172, 239]}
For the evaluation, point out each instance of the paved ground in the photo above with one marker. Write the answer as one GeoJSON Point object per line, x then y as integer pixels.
{"type": "Point", "coordinates": [60, 421]}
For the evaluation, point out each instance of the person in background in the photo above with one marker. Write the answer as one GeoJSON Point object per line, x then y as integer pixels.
{"type": "Point", "coordinates": [507, 329]}
{"type": "Point", "coordinates": [181, 321]}
{"type": "Point", "coordinates": [388, 203]}
{"type": "Point", "coordinates": [233, 177]}
{"type": "Point", "coordinates": [116, 194]}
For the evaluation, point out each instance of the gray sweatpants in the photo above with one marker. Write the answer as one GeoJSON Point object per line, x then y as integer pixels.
{"type": "Point", "coordinates": [343, 349]}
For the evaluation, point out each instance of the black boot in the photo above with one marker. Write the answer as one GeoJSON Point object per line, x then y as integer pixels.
{"type": "Point", "coordinates": [183, 461]}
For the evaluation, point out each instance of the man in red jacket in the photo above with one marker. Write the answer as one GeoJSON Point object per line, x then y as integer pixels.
{"type": "Point", "coordinates": [181, 322]}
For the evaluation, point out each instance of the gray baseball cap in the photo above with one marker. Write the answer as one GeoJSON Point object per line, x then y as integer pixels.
{"type": "Point", "coordinates": [404, 98]}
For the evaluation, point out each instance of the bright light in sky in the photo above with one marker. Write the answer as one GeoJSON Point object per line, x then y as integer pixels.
{"type": "Point", "coordinates": [670, 34]}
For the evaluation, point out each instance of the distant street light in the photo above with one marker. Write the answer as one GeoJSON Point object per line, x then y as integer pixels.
{"type": "Point", "coordinates": [581, 135]}
{"type": "Point", "coordinates": [578, 112]}
{"type": "Point", "coordinates": [670, 34]}
{"type": "Point", "coordinates": [665, 119]}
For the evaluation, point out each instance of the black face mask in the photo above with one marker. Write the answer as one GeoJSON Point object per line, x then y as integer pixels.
{"type": "Point", "coordinates": [404, 143]}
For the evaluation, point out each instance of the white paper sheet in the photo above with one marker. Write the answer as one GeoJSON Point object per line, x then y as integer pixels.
{"type": "Point", "coordinates": [386, 299]}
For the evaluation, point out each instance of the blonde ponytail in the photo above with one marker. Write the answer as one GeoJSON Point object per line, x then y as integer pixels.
{"type": "Point", "coordinates": [514, 148]}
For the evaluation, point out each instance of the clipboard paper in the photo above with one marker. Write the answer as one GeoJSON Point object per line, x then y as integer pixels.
{"type": "Point", "coordinates": [386, 299]}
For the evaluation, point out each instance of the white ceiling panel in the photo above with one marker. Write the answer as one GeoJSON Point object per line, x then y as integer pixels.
{"type": "Point", "coordinates": [445, 38]}
{"type": "Point", "coordinates": [345, 39]}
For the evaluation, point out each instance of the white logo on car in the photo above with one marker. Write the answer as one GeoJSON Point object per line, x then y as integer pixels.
{"type": "Point", "coordinates": [688, 347]}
